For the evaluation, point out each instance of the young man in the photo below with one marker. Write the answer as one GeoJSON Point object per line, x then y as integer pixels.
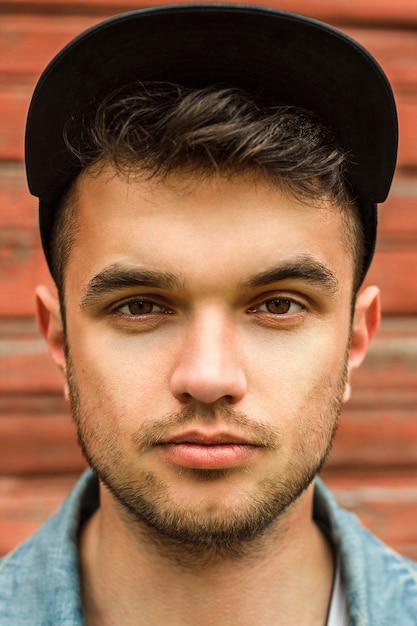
{"type": "Point", "coordinates": [207, 179]}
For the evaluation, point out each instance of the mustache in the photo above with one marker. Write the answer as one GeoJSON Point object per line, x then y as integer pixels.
{"type": "Point", "coordinates": [153, 433]}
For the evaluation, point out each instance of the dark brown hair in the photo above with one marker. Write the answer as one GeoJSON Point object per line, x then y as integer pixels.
{"type": "Point", "coordinates": [154, 129]}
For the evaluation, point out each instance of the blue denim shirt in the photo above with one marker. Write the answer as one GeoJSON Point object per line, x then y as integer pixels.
{"type": "Point", "coordinates": [39, 581]}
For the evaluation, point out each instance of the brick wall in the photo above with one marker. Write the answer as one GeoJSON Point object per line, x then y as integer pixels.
{"type": "Point", "coordinates": [373, 468]}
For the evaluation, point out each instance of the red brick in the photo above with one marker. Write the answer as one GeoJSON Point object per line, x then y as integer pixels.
{"type": "Point", "coordinates": [31, 444]}
{"type": "Point", "coordinates": [404, 11]}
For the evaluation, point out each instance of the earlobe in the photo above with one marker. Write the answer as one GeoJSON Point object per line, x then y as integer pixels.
{"type": "Point", "coordinates": [366, 321]}
{"type": "Point", "coordinates": [49, 320]}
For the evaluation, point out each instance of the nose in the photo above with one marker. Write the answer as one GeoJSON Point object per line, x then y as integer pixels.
{"type": "Point", "coordinates": [208, 367]}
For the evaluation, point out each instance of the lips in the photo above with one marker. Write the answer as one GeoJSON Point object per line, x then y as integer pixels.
{"type": "Point", "coordinates": [208, 439]}
{"type": "Point", "coordinates": [197, 450]}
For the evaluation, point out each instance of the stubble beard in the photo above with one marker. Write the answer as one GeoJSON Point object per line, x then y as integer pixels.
{"type": "Point", "coordinates": [193, 537]}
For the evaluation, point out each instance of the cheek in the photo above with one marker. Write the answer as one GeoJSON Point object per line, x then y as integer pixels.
{"type": "Point", "coordinates": [120, 376]}
{"type": "Point", "coordinates": [290, 365]}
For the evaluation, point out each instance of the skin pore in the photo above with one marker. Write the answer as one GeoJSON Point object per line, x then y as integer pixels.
{"type": "Point", "coordinates": [214, 317]}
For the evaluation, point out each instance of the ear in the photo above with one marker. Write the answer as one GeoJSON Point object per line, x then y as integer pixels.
{"type": "Point", "coordinates": [366, 319]}
{"type": "Point", "coordinates": [49, 320]}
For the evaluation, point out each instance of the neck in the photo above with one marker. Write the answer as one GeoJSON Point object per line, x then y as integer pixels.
{"type": "Point", "coordinates": [131, 577]}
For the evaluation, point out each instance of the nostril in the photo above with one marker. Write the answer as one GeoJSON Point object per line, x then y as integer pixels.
{"type": "Point", "coordinates": [185, 397]}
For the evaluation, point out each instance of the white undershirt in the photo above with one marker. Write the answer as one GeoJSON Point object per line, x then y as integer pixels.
{"type": "Point", "coordinates": [338, 605]}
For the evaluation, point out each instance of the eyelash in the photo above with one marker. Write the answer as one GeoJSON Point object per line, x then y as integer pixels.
{"type": "Point", "coordinates": [144, 301]}
{"type": "Point", "coordinates": [281, 300]}
{"type": "Point", "coordinates": [163, 310]}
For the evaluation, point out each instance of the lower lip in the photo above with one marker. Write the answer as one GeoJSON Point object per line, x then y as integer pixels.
{"type": "Point", "coordinates": [208, 457]}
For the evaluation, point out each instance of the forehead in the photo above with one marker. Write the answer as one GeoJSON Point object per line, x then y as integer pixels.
{"type": "Point", "coordinates": [230, 222]}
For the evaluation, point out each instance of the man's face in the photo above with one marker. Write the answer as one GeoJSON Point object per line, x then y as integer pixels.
{"type": "Point", "coordinates": [208, 326]}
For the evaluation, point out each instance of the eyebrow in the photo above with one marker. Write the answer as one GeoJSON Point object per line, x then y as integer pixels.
{"type": "Point", "coordinates": [305, 268]}
{"type": "Point", "coordinates": [116, 277]}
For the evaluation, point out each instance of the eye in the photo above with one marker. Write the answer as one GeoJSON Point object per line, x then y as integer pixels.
{"type": "Point", "coordinates": [278, 306]}
{"type": "Point", "coordinates": [137, 307]}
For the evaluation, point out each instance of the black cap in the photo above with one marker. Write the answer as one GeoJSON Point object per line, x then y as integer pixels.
{"type": "Point", "coordinates": [292, 59]}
